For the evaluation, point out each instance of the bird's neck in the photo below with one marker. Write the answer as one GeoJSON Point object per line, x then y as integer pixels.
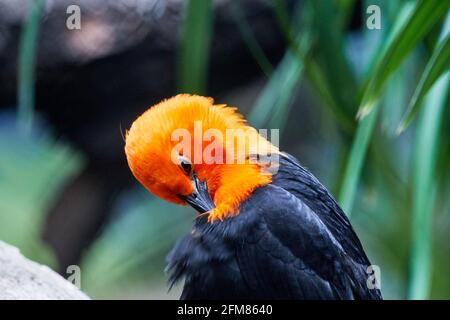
{"type": "Point", "coordinates": [232, 184]}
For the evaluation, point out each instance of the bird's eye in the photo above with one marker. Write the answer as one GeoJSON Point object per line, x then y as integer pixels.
{"type": "Point", "coordinates": [185, 164]}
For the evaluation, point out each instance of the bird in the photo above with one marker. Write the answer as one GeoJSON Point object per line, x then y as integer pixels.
{"type": "Point", "coordinates": [264, 230]}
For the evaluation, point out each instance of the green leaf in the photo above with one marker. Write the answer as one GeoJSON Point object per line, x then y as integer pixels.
{"type": "Point", "coordinates": [345, 8]}
{"type": "Point", "coordinates": [363, 137]}
{"type": "Point", "coordinates": [355, 162]}
{"type": "Point", "coordinates": [424, 187]}
{"type": "Point", "coordinates": [318, 79]}
{"type": "Point", "coordinates": [195, 44]}
{"type": "Point", "coordinates": [316, 73]}
{"type": "Point", "coordinates": [438, 64]}
{"type": "Point", "coordinates": [27, 54]}
{"type": "Point", "coordinates": [282, 17]}
{"type": "Point", "coordinates": [272, 107]}
{"type": "Point", "coordinates": [403, 40]}
{"type": "Point", "coordinates": [328, 53]}
{"type": "Point", "coordinates": [250, 40]}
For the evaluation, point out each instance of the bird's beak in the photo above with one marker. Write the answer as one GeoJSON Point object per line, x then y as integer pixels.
{"type": "Point", "coordinates": [199, 199]}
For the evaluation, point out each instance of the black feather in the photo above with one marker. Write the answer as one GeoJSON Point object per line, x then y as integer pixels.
{"type": "Point", "coordinates": [291, 240]}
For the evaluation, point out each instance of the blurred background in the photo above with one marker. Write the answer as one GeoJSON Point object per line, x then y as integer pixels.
{"type": "Point", "coordinates": [359, 90]}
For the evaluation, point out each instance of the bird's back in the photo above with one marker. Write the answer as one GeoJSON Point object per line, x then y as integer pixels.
{"type": "Point", "coordinates": [290, 240]}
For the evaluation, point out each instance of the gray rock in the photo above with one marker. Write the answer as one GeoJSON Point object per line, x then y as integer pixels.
{"type": "Point", "coordinates": [23, 279]}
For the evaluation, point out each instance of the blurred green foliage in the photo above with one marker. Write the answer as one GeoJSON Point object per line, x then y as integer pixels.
{"type": "Point", "coordinates": [194, 46]}
{"type": "Point", "coordinates": [140, 230]}
{"type": "Point", "coordinates": [395, 187]}
{"type": "Point", "coordinates": [33, 168]}
{"type": "Point", "coordinates": [27, 56]}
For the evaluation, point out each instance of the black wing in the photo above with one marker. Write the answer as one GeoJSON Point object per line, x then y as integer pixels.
{"type": "Point", "coordinates": [292, 254]}
{"type": "Point", "coordinates": [302, 184]}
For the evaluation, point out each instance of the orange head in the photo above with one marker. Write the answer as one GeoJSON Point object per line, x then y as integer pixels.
{"type": "Point", "coordinates": [187, 150]}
